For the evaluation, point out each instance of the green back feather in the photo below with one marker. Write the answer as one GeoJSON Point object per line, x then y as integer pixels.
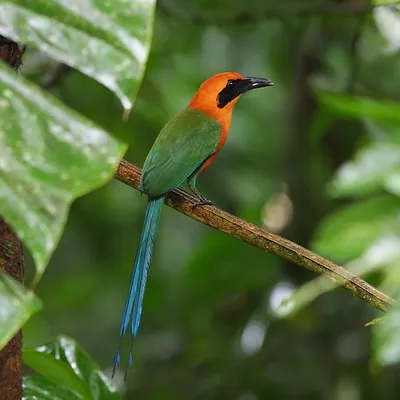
{"type": "Point", "coordinates": [186, 141]}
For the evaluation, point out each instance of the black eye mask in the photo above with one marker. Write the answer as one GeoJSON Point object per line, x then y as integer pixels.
{"type": "Point", "coordinates": [236, 87]}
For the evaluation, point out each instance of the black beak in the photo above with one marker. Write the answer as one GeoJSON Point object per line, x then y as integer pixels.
{"type": "Point", "coordinates": [254, 82]}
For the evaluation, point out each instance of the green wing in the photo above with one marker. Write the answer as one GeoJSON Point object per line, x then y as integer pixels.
{"type": "Point", "coordinates": [187, 140]}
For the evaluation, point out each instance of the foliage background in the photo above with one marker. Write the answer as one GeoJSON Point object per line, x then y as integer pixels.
{"type": "Point", "coordinates": [212, 325]}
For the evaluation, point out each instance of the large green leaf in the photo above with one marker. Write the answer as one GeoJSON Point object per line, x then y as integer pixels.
{"type": "Point", "coordinates": [362, 106]}
{"type": "Point", "coordinates": [17, 305]}
{"type": "Point", "coordinates": [64, 363]}
{"type": "Point", "coordinates": [37, 387]}
{"type": "Point", "coordinates": [347, 233]}
{"type": "Point", "coordinates": [375, 167]}
{"type": "Point", "coordinates": [49, 156]}
{"type": "Point", "coordinates": [106, 40]}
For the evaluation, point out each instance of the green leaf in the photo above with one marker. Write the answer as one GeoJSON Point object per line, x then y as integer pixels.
{"type": "Point", "coordinates": [106, 40]}
{"type": "Point", "coordinates": [374, 167]}
{"type": "Point", "coordinates": [384, 2]}
{"type": "Point", "coordinates": [63, 362]}
{"type": "Point", "coordinates": [37, 387]}
{"type": "Point", "coordinates": [392, 182]}
{"type": "Point", "coordinates": [347, 233]}
{"type": "Point", "coordinates": [17, 305]}
{"type": "Point", "coordinates": [359, 107]}
{"type": "Point", "coordinates": [49, 156]}
{"type": "Point", "coordinates": [386, 338]}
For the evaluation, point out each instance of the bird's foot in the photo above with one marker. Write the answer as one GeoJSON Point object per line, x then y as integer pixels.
{"type": "Point", "coordinates": [202, 202]}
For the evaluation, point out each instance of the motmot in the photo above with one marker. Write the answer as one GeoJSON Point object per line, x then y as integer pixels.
{"type": "Point", "coordinates": [187, 144]}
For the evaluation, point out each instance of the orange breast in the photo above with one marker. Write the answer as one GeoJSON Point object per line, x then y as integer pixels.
{"type": "Point", "coordinates": [222, 139]}
{"type": "Point", "coordinates": [205, 100]}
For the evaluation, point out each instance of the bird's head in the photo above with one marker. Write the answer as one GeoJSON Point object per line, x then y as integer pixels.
{"type": "Point", "coordinates": [218, 94]}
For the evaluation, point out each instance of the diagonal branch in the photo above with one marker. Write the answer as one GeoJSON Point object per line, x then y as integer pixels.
{"type": "Point", "coordinates": [252, 234]}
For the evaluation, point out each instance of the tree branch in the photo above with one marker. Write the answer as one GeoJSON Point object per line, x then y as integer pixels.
{"type": "Point", "coordinates": [252, 234]}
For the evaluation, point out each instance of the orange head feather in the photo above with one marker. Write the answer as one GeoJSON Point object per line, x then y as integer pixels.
{"type": "Point", "coordinates": [218, 95]}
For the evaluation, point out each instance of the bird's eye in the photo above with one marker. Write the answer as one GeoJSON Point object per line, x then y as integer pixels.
{"type": "Point", "coordinates": [231, 83]}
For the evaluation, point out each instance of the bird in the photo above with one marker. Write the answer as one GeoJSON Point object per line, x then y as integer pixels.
{"type": "Point", "coordinates": [186, 145]}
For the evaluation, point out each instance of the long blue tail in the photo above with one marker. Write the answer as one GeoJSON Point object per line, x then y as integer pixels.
{"type": "Point", "coordinates": [137, 285]}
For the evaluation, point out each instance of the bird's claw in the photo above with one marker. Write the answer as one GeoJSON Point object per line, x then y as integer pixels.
{"type": "Point", "coordinates": [203, 202]}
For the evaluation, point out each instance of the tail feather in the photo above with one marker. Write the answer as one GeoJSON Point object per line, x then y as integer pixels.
{"type": "Point", "coordinates": [133, 306]}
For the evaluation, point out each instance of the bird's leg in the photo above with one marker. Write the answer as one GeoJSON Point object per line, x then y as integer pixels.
{"type": "Point", "coordinates": [202, 200]}
{"type": "Point", "coordinates": [192, 186]}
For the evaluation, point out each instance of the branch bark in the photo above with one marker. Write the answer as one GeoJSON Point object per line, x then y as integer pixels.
{"type": "Point", "coordinates": [254, 235]}
{"type": "Point", "coordinates": [12, 263]}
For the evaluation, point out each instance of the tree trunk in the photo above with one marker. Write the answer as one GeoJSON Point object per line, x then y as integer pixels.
{"type": "Point", "coordinates": [12, 263]}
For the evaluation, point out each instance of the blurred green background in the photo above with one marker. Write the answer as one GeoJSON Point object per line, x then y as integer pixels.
{"type": "Point", "coordinates": [212, 327]}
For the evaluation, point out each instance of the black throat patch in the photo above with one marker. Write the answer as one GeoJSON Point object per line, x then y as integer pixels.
{"type": "Point", "coordinates": [233, 89]}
